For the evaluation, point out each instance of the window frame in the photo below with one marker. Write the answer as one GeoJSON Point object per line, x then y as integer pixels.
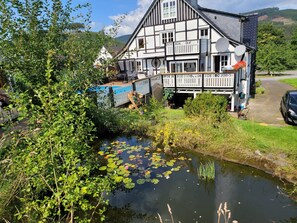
{"type": "Point", "coordinates": [224, 61]}
{"type": "Point", "coordinates": [169, 9]}
{"type": "Point", "coordinates": [167, 36]}
{"type": "Point", "coordinates": [202, 33]}
{"type": "Point", "coordinates": [138, 44]}
{"type": "Point", "coordinates": [182, 62]}
{"type": "Point", "coordinates": [139, 65]}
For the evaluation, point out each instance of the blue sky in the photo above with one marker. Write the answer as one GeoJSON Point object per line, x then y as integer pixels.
{"type": "Point", "coordinates": [105, 11]}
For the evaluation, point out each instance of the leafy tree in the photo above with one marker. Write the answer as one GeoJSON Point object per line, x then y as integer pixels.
{"type": "Point", "coordinates": [274, 52]}
{"type": "Point", "coordinates": [50, 166]}
{"type": "Point", "coordinates": [30, 29]}
{"type": "Point", "coordinates": [51, 162]}
{"type": "Point", "coordinates": [272, 58]}
{"type": "Point", "coordinates": [268, 33]}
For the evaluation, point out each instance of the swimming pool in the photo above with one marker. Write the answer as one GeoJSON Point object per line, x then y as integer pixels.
{"type": "Point", "coordinates": [116, 89]}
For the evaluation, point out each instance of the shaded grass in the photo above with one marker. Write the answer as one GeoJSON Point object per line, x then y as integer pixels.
{"type": "Point", "coordinates": [290, 81]}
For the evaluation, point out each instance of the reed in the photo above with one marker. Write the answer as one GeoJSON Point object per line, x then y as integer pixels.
{"type": "Point", "coordinates": [207, 171]}
{"type": "Point", "coordinates": [224, 213]}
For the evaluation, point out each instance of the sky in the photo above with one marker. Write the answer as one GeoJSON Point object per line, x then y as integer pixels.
{"type": "Point", "coordinates": [104, 12]}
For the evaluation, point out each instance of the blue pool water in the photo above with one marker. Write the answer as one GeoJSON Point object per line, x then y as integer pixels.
{"type": "Point", "coordinates": [116, 89]}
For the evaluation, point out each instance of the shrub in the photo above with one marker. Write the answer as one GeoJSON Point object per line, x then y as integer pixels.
{"type": "Point", "coordinates": [154, 111]}
{"type": "Point", "coordinates": [260, 90]}
{"type": "Point", "coordinates": [209, 107]}
{"type": "Point", "coordinates": [258, 83]}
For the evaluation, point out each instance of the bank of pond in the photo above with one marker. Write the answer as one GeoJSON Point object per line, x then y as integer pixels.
{"type": "Point", "coordinates": [250, 194]}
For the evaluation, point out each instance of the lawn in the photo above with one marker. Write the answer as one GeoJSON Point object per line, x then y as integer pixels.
{"type": "Point", "coordinates": [254, 135]}
{"type": "Point", "coordinates": [270, 138]}
{"type": "Point", "coordinates": [291, 81]}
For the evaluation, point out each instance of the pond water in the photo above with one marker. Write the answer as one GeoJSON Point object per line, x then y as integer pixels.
{"type": "Point", "coordinates": [252, 196]}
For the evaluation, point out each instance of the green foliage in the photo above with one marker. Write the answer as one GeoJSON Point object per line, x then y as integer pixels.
{"type": "Point", "coordinates": [168, 94]}
{"type": "Point", "coordinates": [275, 53]}
{"type": "Point", "coordinates": [145, 164]}
{"type": "Point", "coordinates": [154, 110]}
{"type": "Point", "coordinates": [258, 83]}
{"type": "Point", "coordinates": [29, 29]}
{"type": "Point", "coordinates": [53, 158]}
{"type": "Point", "coordinates": [207, 171]}
{"type": "Point", "coordinates": [260, 90]}
{"type": "Point", "coordinates": [208, 106]}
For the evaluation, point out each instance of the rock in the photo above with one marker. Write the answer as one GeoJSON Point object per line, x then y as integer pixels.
{"type": "Point", "coordinates": [258, 153]}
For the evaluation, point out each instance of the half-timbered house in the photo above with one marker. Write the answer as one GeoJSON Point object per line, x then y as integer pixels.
{"type": "Point", "coordinates": [195, 49]}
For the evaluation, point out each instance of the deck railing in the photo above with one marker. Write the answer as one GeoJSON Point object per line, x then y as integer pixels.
{"type": "Point", "coordinates": [199, 80]}
{"type": "Point", "coordinates": [182, 47]}
{"type": "Point", "coordinates": [196, 81]}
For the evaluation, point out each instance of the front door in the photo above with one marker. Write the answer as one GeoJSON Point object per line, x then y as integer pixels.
{"type": "Point", "coordinates": [217, 63]}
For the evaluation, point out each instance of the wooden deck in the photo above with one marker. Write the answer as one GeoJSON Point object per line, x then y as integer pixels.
{"type": "Point", "coordinates": [193, 83]}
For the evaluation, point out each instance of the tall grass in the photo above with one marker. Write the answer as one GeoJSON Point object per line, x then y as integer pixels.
{"type": "Point", "coordinates": [207, 171]}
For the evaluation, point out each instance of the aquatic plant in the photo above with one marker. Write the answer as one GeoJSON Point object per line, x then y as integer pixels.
{"type": "Point", "coordinates": [225, 213]}
{"type": "Point", "coordinates": [171, 215]}
{"type": "Point", "coordinates": [135, 164]}
{"type": "Point", "coordinates": [206, 171]}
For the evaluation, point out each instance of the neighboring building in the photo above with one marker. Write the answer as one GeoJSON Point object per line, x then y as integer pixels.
{"type": "Point", "coordinates": [102, 57]}
{"type": "Point", "coordinates": [179, 36]}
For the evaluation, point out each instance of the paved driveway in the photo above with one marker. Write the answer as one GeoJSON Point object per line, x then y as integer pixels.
{"type": "Point", "coordinates": [265, 108]}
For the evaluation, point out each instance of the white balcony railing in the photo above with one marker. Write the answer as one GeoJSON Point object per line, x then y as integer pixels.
{"type": "Point", "coordinates": [182, 47]}
{"type": "Point", "coordinates": [199, 80]}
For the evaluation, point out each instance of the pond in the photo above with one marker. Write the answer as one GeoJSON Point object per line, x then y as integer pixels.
{"type": "Point", "coordinates": [251, 195]}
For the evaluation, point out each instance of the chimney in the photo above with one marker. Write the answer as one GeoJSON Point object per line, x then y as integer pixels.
{"type": "Point", "coordinates": [194, 2]}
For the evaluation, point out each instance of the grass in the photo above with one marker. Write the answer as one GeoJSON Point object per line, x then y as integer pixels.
{"type": "Point", "coordinates": [237, 140]}
{"type": "Point", "coordinates": [291, 81]}
{"type": "Point", "coordinates": [207, 171]}
{"type": "Point", "coordinates": [269, 138]}
{"type": "Point", "coordinates": [255, 135]}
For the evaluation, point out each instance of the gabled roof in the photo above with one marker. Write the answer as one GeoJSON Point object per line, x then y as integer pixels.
{"type": "Point", "coordinates": [225, 30]}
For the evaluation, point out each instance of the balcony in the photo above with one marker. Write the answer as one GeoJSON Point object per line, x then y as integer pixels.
{"type": "Point", "coordinates": [187, 47]}
{"type": "Point", "coordinates": [182, 47]}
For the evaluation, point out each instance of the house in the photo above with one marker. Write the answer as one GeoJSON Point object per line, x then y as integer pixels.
{"type": "Point", "coordinates": [102, 57]}
{"type": "Point", "coordinates": [195, 49]}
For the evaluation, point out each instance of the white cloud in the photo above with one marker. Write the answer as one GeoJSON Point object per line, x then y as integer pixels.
{"type": "Point", "coordinates": [235, 6]}
{"type": "Point", "coordinates": [132, 18]}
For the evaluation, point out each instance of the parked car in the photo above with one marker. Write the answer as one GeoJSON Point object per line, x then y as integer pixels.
{"type": "Point", "coordinates": [288, 107]}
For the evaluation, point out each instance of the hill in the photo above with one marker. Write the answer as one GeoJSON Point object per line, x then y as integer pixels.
{"type": "Point", "coordinates": [285, 19]}
{"type": "Point", "coordinates": [275, 15]}
{"type": "Point", "coordinates": [124, 39]}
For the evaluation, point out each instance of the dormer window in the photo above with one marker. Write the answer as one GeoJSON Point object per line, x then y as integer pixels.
{"type": "Point", "coordinates": [169, 10]}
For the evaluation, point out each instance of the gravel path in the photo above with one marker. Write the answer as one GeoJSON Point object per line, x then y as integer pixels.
{"type": "Point", "coordinates": [265, 108]}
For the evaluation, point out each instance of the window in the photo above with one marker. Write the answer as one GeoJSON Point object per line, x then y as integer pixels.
{"type": "Point", "coordinates": [167, 37]}
{"type": "Point", "coordinates": [220, 61]}
{"type": "Point", "coordinates": [183, 66]}
{"type": "Point", "coordinates": [140, 43]}
{"type": "Point", "coordinates": [168, 9]}
{"type": "Point", "coordinates": [204, 33]}
{"type": "Point", "coordinates": [224, 61]}
{"type": "Point", "coordinates": [139, 65]}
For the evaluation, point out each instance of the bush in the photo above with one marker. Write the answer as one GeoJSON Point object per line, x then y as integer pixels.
{"type": "Point", "coordinates": [258, 83]}
{"type": "Point", "coordinates": [209, 107]}
{"type": "Point", "coordinates": [260, 90]}
{"type": "Point", "coordinates": [154, 111]}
